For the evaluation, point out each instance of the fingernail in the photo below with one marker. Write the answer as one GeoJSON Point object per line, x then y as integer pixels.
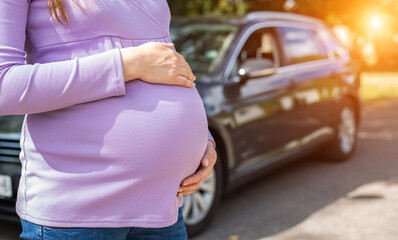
{"type": "Point", "coordinates": [185, 184]}
{"type": "Point", "coordinates": [180, 190]}
{"type": "Point", "coordinates": [179, 195]}
{"type": "Point", "coordinates": [206, 162]}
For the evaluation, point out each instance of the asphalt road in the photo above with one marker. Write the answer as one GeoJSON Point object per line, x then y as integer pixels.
{"type": "Point", "coordinates": [315, 200]}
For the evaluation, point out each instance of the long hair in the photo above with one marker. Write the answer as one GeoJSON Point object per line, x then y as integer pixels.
{"type": "Point", "coordinates": [57, 10]}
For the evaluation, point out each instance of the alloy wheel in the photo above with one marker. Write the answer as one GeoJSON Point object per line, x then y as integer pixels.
{"type": "Point", "coordinates": [197, 205]}
{"type": "Point", "coordinates": [347, 130]}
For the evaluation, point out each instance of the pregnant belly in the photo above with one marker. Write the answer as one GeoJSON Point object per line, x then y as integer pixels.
{"type": "Point", "coordinates": [154, 130]}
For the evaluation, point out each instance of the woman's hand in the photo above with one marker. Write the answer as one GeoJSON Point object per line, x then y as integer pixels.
{"type": "Point", "coordinates": [192, 183]}
{"type": "Point", "coordinates": [156, 63]}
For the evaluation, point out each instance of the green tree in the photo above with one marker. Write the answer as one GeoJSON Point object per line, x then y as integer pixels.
{"type": "Point", "coordinates": [207, 7]}
{"type": "Point", "coordinates": [352, 13]}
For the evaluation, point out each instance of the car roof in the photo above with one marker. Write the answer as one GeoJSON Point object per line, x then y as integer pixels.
{"type": "Point", "coordinates": [252, 17]}
{"type": "Point", "coordinates": [226, 19]}
{"type": "Point", "coordinates": [281, 16]}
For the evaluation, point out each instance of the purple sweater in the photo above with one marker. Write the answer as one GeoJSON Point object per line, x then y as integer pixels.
{"type": "Point", "coordinates": [96, 152]}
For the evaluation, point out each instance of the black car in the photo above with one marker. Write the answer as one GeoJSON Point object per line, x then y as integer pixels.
{"type": "Point", "coordinates": [275, 86]}
{"type": "Point", "coordinates": [10, 166]}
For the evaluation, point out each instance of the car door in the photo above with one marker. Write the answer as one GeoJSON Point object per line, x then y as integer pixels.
{"type": "Point", "coordinates": [260, 101]}
{"type": "Point", "coordinates": [311, 70]}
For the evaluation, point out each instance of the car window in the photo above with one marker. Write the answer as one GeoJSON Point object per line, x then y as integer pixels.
{"type": "Point", "coordinates": [260, 47]}
{"type": "Point", "coordinates": [335, 48]}
{"type": "Point", "coordinates": [11, 124]}
{"type": "Point", "coordinates": [203, 45]}
{"type": "Point", "coordinates": [302, 45]}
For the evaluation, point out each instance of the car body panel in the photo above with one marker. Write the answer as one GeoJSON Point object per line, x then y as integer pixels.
{"type": "Point", "coordinates": [277, 118]}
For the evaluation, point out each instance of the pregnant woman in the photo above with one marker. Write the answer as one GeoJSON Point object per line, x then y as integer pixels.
{"type": "Point", "coordinates": [115, 131]}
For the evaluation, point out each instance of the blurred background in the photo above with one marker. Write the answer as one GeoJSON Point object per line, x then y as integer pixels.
{"type": "Point", "coordinates": [369, 29]}
{"type": "Point", "coordinates": [311, 200]}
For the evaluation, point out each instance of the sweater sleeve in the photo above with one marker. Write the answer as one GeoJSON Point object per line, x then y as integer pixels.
{"type": "Point", "coordinates": [26, 89]}
{"type": "Point", "coordinates": [210, 137]}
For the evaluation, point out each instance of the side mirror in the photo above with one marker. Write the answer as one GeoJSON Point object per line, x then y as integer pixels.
{"type": "Point", "coordinates": [254, 68]}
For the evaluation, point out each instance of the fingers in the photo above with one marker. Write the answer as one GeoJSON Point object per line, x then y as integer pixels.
{"type": "Point", "coordinates": [187, 192]}
{"type": "Point", "coordinates": [163, 65]}
{"type": "Point", "coordinates": [184, 65]}
{"type": "Point", "coordinates": [182, 81]}
{"type": "Point", "coordinates": [168, 45]}
{"type": "Point", "coordinates": [191, 188]}
{"type": "Point", "coordinates": [181, 71]}
{"type": "Point", "coordinates": [210, 156]}
{"type": "Point", "coordinates": [185, 73]}
{"type": "Point", "coordinates": [192, 183]}
{"type": "Point", "coordinates": [183, 62]}
{"type": "Point", "coordinates": [199, 176]}
{"type": "Point", "coordinates": [180, 61]}
{"type": "Point", "coordinates": [181, 76]}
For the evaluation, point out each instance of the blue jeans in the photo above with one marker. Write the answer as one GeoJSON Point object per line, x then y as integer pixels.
{"type": "Point", "coordinates": [177, 231]}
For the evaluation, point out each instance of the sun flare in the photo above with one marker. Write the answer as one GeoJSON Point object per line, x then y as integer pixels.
{"type": "Point", "coordinates": [376, 22]}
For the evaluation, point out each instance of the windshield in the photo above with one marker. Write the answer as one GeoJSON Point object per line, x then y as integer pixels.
{"type": "Point", "coordinates": [203, 45]}
{"type": "Point", "coordinates": [11, 124]}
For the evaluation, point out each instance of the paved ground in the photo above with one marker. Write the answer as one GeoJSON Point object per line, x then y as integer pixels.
{"type": "Point", "coordinates": [313, 200]}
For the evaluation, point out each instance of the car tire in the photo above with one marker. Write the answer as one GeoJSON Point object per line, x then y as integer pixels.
{"type": "Point", "coordinates": [199, 208]}
{"type": "Point", "coordinates": [344, 141]}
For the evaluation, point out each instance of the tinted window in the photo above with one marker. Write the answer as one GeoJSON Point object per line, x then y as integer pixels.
{"type": "Point", "coordinates": [259, 49]}
{"type": "Point", "coordinates": [11, 124]}
{"type": "Point", "coordinates": [203, 45]}
{"type": "Point", "coordinates": [302, 45]}
{"type": "Point", "coordinates": [336, 48]}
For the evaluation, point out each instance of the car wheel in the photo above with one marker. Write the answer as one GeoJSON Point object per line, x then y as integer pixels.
{"type": "Point", "coordinates": [343, 144]}
{"type": "Point", "coordinates": [199, 208]}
